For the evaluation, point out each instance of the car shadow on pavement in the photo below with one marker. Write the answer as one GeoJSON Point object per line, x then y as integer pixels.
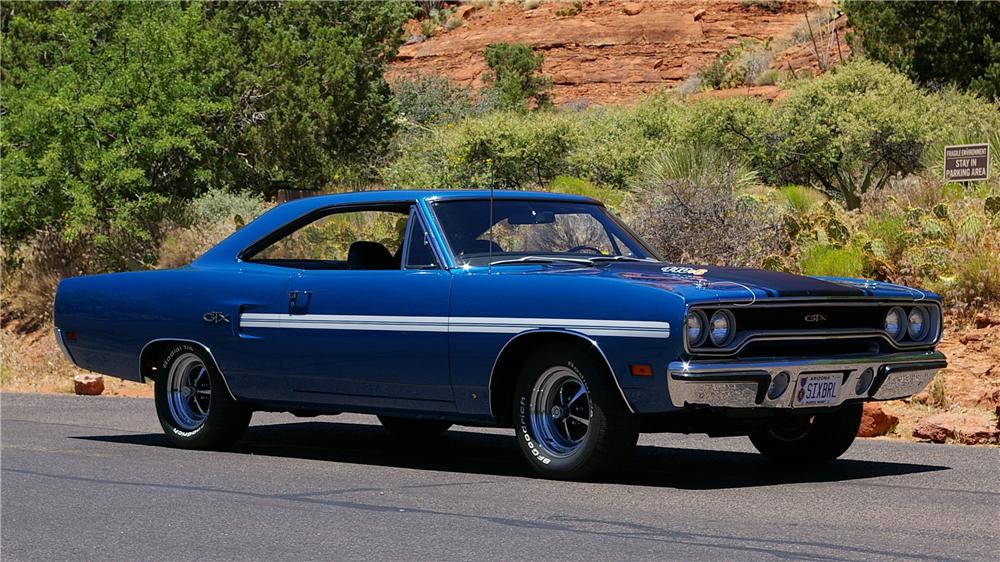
{"type": "Point", "coordinates": [497, 454]}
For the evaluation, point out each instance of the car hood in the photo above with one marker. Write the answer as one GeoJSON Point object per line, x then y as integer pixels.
{"type": "Point", "coordinates": [697, 283]}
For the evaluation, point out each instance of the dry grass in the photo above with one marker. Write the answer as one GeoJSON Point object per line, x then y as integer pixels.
{"type": "Point", "coordinates": [34, 363]}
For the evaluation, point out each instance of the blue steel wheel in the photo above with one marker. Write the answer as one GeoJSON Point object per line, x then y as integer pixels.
{"type": "Point", "coordinates": [190, 392]}
{"type": "Point", "coordinates": [570, 420]}
{"type": "Point", "coordinates": [193, 403]}
{"type": "Point", "coordinates": [560, 411]}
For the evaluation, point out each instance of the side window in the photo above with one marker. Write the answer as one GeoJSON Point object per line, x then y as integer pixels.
{"type": "Point", "coordinates": [354, 239]}
{"type": "Point", "coordinates": [420, 254]}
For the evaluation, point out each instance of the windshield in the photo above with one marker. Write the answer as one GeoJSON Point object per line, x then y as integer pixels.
{"type": "Point", "coordinates": [534, 230]}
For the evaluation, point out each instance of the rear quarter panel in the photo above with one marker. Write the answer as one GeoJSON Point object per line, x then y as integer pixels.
{"type": "Point", "coordinates": [115, 315]}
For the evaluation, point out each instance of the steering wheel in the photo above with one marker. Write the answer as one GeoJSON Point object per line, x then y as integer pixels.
{"type": "Point", "coordinates": [583, 247]}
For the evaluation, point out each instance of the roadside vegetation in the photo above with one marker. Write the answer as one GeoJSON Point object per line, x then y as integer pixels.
{"type": "Point", "coordinates": [138, 135]}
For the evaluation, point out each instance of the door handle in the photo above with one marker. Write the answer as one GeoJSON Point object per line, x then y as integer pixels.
{"type": "Point", "coordinates": [297, 297]}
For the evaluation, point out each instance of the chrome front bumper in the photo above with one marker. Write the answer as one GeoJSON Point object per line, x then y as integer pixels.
{"type": "Point", "coordinates": [744, 384]}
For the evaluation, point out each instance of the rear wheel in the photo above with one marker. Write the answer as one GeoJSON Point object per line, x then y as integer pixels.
{"type": "Point", "coordinates": [193, 404]}
{"type": "Point", "coordinates": [413, 427]}
{"type": "Point", "coordinates": [569, 419]}
{"type": "Point", "coordinates": [814, 439]}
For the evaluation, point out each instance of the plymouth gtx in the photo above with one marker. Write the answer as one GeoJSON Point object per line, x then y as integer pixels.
{"type": "Point", "coordinates": [539, 312]}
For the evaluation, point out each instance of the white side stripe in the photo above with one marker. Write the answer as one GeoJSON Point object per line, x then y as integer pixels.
{"type": "Point", "coordinates": [456, 324]}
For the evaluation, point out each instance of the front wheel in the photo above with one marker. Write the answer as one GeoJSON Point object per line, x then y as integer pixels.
{"type": "Point", "coordinates": [814, 439]}
{"type": "Point", "coordinates": [569, 419]}
{"type": "Point", "coordinates": [193, 404]}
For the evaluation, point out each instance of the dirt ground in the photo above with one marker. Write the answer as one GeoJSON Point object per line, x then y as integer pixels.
{"type": "Point", "coordinates": [604, 55]}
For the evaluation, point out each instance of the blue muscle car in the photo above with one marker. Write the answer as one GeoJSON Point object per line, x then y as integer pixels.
{"type": "Point", "coordinates": [539, 312]}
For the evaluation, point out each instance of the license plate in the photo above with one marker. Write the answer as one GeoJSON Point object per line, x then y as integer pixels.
{"type": "Point", "coordinates": [815, 390]}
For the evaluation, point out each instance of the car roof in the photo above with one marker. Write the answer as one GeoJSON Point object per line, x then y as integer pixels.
{"type": "Point", "coordinates": [397, 195]}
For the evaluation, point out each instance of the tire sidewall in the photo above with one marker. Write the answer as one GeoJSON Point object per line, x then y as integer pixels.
{"type": "Point", "coordinates": [209, 432]}
{"type": "Point", "coordinates": [597, 390]}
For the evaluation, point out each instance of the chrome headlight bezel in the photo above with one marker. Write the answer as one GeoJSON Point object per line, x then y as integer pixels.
{"type": "Point", "coordinates": [900, 323]}
{"type": "Point", "coordinates": [730, 331]}
{"type": "Point", "coordinates": [703, 332]}
{"type": "Point", "coordinates": [924, 324]}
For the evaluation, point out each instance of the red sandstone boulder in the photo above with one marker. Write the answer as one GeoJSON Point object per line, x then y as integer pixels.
{"type": "Point", "coordinates": [632, 8]}
{"type": "Point", "coordinates": [88, 385]}
{"type": "Point", "coordinates": [875, 421]}
{"type": "Point", "coordinates": [964, 428]}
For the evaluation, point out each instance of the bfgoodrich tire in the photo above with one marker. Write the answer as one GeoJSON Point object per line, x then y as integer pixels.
{"type": "Point", "coordinates": [807, 440]}
{"type": "Point", "coordinates": [569, 418]}
{"type": "Point", "coordinates": [193, 403]}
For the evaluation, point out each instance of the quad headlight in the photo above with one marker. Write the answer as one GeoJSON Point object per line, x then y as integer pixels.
{"type": "Point", "coordinates": [895, 322]}
{"type": "Point", "coordinates": [694, 326]}
{"type": "Point", "coordinates": [721, 327]}
{"type": "Point", "coordinates": [916, 323]}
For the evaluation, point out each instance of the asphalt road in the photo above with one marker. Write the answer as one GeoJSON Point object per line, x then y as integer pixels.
{"type": "Point", "coordinates": [88, 478]}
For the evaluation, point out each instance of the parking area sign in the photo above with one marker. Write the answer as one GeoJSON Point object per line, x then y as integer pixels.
{"type": "Point", "coordinates": [967, 162]}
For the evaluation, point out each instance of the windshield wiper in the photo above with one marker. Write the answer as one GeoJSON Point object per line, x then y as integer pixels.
{"type": "Point", "coordinates": [622, 258]}
{"type": "Point", "coordinates": [543, 259]}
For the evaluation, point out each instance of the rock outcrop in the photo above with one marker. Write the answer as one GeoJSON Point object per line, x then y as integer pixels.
{"type": "Point", "coordinates": [964, 428]}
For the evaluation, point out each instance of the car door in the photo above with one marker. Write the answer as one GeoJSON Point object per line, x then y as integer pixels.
{"type": "Point", "coordinates": [373, 334]}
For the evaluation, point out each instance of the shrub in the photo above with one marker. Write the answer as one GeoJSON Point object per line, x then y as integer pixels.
{"type": "Point", "coordinates": [850, 130]}
{"type": "Point", "coordinates": [687, 205]}
{"type": "Point", "coordinates": [208, 220]}
{"type": "Point", "coordinates": [515, 77]}
{"type": "Point", "coordinates": [30, 285]}
{"type": "Point", "coordinates": [739, 65]}
{"type": "Point", "coordinates": [568, 11]}
{"type": "Point", "coordinates": [801, 199]}
{"type": "Point", "coordinates": [116, 113]}
{"type": "Point", "coordinates": [611, 197]}
{"type": "Point", "coordinates": [454, 22]}
{"type": "Point", "coordinates": [769, 77]}
{"type": "Point", "coordinates": [832, 261]}
{"type": "Point", "coordinates": [933, 42]}
{"type": "Point", "coordinates": [428, 100]}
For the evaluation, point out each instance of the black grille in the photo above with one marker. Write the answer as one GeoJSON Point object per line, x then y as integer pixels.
{"type": "Point", "coordinates": [816, 317]}
{"type": "Point", "coordinates": [813, 329]}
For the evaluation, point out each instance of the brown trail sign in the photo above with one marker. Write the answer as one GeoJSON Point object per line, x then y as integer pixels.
{"type": "Point", "coordinates": [967, 162]}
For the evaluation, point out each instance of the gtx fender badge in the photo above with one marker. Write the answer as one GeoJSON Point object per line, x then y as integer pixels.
{"type": "Point", "coordinates": [683, 270]}
{"type": "Point", "coordinates": [215, 318]}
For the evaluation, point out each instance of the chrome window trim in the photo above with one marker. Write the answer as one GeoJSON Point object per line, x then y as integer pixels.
{"type": "Point", "coordinates": [247, 252]}
{"type": "Point", "coordinates": [408, 239]}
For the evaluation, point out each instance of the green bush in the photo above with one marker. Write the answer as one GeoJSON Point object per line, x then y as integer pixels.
{"type": "Point", "coordinates": [850, 130]}
{"type": "Point", "coordinates": [832, 261]}
{"type": "Point", "coordinates": [801, 199]}
{"type": "Point", "coordinates": [611, 197]}
{"type": "Point", "coordinates": [116, 113]}
{"type": "Point", "coordinates": [514, 75]}
{"type": "Point", "coordinates": [429, 100]}
{"type": "Point", "coordinates": [933, 42]}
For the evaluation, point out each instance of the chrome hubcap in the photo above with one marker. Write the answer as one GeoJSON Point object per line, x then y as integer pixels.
{"type": "Point", "coordinates": [189, 392]}
{"type": "Point", "coordinates": [560, 411]}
